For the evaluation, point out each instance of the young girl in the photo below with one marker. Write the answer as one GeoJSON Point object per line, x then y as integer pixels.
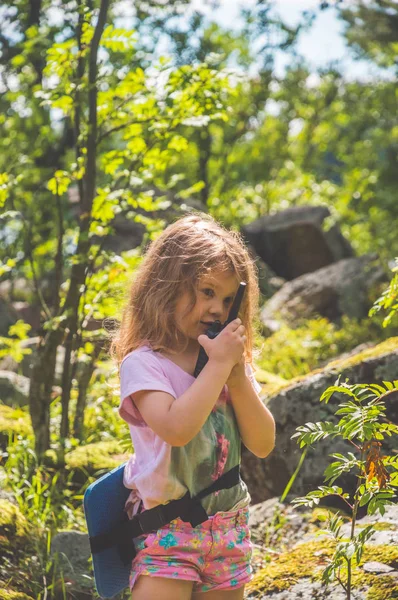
{"type": "Point", "coordinates": [187, 431]}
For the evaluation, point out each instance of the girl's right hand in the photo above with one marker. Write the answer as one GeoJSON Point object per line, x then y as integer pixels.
{"type": "Point", "coordinates": [228, 346]}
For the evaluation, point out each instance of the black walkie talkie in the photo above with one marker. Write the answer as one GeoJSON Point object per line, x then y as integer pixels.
{"type": "Point", "coordinates": [216, 327]}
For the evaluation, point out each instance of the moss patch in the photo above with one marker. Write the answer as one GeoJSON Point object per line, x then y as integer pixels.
{"type": "Point", "coordinates": [12, 522]}
{"type": "Point", "coordinates": [265, 377]}
{"type": "Point", "coordinates": [10, 595]}
{"type": "Point", "coordinates": [15, 545]}
{"type": "Point", "coordinates": [308, 560]}
{"type": "Point", "coordinates": [387, 554]}
{"type": "Point", "coordinates": [379, 587]}
{"type": "Point", "coordinates": [13, 422]}
{"type": "Point", "coordinates": [385, 588]}
{"type": "Point", "coordinates": [290, 567]}
{"type": "Point", "coordinates": [382, 526]}
{"type": "Point", "coordinates": [90, 459]}
{"type": "Point", "coordinates": [384, 348]}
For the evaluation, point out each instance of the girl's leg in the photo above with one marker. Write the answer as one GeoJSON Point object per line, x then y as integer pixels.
{"type": "Point", "coordinates": [220, 595]}
{"type": "Point", "coordinates": [161, 588]}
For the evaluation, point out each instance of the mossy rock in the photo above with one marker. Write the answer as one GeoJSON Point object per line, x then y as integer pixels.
{"type": "Point", "coordinates": [13, 524]}
{"type": "Point", "coordinates": [282, 573]}
{"type": "Point", "coordinates": [298, 402]}
{"type": "Point", "coordinates": [10, 595]}
{"type": "Point", "coordinates": [13, 422]}
{"type": "Point", "coordinates": [307, 561]}
{"type": "Point", "coordinates": [92, 459]}
{"type": "Point", "coordinates": [339, 365]}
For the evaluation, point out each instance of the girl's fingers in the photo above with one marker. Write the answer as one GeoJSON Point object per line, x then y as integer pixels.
{"type": "Point", "coordinates": [237, 327]}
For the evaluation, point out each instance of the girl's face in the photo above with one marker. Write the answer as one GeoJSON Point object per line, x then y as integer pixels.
{"type": "Point", "coordinates": [214, 297]}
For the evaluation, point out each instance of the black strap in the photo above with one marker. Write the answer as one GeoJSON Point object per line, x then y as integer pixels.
{"type": "Point", "coordinates": [226, 481]}
{"type": "Point", "coordinates": [188, 509]}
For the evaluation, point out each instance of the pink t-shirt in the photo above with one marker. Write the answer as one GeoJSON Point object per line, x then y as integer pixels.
{"type": "Point", "coordinates": [159, 472]}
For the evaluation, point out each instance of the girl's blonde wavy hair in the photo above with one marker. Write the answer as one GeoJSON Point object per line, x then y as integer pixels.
{"type": "Point", "coordinates": [193, 246]}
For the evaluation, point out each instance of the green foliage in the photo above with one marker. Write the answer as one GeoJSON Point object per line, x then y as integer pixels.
{"type": "Point", "coordinates": [371, 30]}
{"type": "Point", "coordinates": [13, 344]}
{"type": "Point", "coordinates": [13, 522]}
{"type": "Point", "coordinates": [106, 130]}
{"type": "Point", "coordinates": [102, 421]}
{"type": "Point", "coordinates": [42, 496]}
{"type": "Point", "coordinates": [322, 143]}
{"type": "Point", "coordinates": [292, 352]}
{"type": "Point", "coordinates": [170, 131]}
{"type": "Point", "coordinates": [388, 301]}
{"type": "Point", "coordinates": [14, 422]}
{"type": "Point", "coordinates": [363, 425]}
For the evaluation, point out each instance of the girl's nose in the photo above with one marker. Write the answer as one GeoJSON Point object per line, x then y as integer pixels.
{"type": "Point", "coordinates": [216, 309]}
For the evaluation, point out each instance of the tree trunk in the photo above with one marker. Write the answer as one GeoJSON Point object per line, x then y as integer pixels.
{"type": "Point", "coordinates": [66, 387]}
{"type": "Point", "coordinates": [204, 156]}
{"type": "Point", "coordinates": [84, 379]}
{"type": "Point", "coordinates": [40, 391]}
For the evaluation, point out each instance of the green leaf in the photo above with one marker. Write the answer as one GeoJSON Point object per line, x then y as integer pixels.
{"type": "Point", "coordinates": [59, 184]}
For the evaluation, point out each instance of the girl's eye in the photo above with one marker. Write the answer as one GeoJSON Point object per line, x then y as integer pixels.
{"type": "Point", "coordinates": [208, 292]}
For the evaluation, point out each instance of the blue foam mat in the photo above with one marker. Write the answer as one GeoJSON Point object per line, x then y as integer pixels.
{"type": "Point", "coordinates": [104, 502]}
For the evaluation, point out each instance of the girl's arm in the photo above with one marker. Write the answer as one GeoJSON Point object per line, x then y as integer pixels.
{"type": "Point", "coordinates": [256, 423]}
{"type": "Point", "coordinates": [178, 420]}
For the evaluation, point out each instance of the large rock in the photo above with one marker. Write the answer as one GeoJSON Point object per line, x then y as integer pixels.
{"type": "Point", "coordinates": [71, 551]}
{"type": "Point", "coordinates": [339, 289]}
{"type": "Point", "coordinates": [268, 282]}
{"type": "Point", "coordinates": [293, 242]}
{"type": "Point", "coordinates": [297, 403]}
{"type": "Point", "coordinates": [14, 389]}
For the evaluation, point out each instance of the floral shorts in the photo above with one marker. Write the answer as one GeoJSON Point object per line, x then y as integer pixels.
{"type": "Point", "coordinates": [215, 555]}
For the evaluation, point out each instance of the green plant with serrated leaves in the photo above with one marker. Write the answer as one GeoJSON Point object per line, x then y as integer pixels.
{"type": "Point", "coordinates": [388, 301]}
{"type": "Point", "coordinates": [364, 425]}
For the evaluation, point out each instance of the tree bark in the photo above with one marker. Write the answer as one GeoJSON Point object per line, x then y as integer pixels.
{"type": "Point", "coordinates": [204, 157]}
{"type": "Point", "coordinates": [41, 388]}
{"type": "Point", "coordinates": [85, 375]}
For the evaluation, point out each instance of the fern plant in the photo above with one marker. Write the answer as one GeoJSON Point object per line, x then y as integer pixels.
{"type": "Point", "coordinates": [364, 425]}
